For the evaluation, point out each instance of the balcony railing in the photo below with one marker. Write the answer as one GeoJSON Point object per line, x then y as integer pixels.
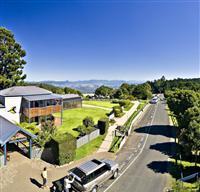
{"type": "Point", "coordinates": [41, 111]}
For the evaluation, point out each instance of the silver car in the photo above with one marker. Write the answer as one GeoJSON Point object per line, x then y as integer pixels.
{"type": "Point", "coordinates": [90, 175]}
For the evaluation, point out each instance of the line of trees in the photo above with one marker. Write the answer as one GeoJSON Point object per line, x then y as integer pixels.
{"type": "Point", "coordinates": [125, 91]}
{"type": "Point", "coordinates": [161, 85]}
{"type": "Point", "coordinates": [185, 104]}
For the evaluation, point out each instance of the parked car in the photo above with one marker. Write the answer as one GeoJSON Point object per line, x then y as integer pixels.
{"type": "Point", "coordinates": [90, 175]}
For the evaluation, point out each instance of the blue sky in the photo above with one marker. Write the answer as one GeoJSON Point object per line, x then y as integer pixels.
{"type": "Point", "coordinates": [130, 40]}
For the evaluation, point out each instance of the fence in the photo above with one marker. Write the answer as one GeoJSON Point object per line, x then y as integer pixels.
{"type": "Point", "coordinates": [87, 138]}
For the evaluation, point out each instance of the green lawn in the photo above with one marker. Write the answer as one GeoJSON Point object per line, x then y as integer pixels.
{"type": "Point", "coordinates": [72, 118]}
{"type": "Point", "coordinates": [89, 148]}
{"type": "Point", "coordinates": [188, 168]}
{"type": "Point", "coordinates": [106, 104]}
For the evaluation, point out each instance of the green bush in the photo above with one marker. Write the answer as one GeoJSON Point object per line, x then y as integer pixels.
{"type": "Point", "coordinates": [31, 127]}
{"type": "Point", "coordinates": [103, 125]}
{"type": "Point", "coordinates": [83, 130]}
{"type": "Point", "coordinates": [126, 104]}
{"type": "Point", "coordinates": [112, 121]}
{"type": "Point", "coordinates": [63, 148]}
{"type": "Point", "coordinates": [118, 112]}
{"type": "Point", "coordinates": [88, 122]}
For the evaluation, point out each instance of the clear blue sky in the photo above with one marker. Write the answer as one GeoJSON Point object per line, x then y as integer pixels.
{"type": "Point", "coordinates": [130, 40]}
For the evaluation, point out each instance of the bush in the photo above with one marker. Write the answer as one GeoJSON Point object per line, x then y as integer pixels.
{"type": "Point", "coordinates": [117, 108]}
{"type": "Point", "coordinates": [88, 122]}
{"type": "Point", "coordinates": [126, 104]}
{"type": "Point", "coordinates": [63, 148]}
{"type": "Point", "coordinates": [31, 127]}
{"type": "Point", "coordinates": [103, 125]}
{"type": "Point", "coordinates": [112, 121]}
{"type": "Point", "coordinates": [118, 112]}
{"type": "Point", "coordinates": [83, 130]}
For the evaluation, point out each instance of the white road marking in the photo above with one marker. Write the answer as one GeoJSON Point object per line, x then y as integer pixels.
{"type": "Point", "coordinates": [135, 157]}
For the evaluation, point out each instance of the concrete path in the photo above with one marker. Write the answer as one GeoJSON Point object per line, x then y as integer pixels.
{"type": "Point", "coordinates": [106, 144]}
{"type": "Point", "coordinates": [94, 106]}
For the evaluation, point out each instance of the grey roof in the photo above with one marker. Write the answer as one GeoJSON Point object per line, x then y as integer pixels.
{"type": "Point", "coordinates": [8, 130]}
{"type": "Point", "coordinates": [24, 91]}
{"type": "Point", "coordinates": [71, 96]}
{"type": "Point", "coordinates": [42, 97]}
{"type": "Point", "coordinates": [90, 166]}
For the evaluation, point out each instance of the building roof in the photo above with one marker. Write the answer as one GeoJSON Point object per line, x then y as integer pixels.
{"type": "Point", "coordinates": [8, 130]}
{"type": "Point", "coordinates": [42, 97]}
{"type": "Point", "coordinates": [71, 96]}
{"type": "Point", "coordinates": [24, 91]}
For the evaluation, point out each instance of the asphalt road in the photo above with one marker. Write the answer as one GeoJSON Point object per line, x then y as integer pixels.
{"type": "Point", "coordinates": [143, 159]}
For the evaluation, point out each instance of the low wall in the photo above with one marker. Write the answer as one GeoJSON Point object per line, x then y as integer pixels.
{"type": "Point", "coordinates": [37, 152]}
{"type": "Point", "coordinates": [87, 138]}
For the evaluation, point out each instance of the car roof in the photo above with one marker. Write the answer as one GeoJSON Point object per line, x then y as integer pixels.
{"type": "Point", "coordinates": [91, 166]}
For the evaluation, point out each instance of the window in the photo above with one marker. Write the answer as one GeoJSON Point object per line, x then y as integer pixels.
{"type": "Point", "coordinates": [100, 171]}
{"type": "Point", "coordinates": [96, 173]}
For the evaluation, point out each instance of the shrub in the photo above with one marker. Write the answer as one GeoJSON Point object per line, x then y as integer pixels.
{"type": "Point", "coordinates": [83, 130]}
{"type": "Point", "coordinates": [130, 97]}
{"type": "Point", "coordinates": [48, 130]}
{"type": "Point", "coordinates": [31, 127]}
{"type": "Point", "coordinates": [117, 108]}
{"type": "Point", "coordinates": [118, 112]}
{"type": "Point", "coordinates": [63, 148]}
{"type": "Point", "coordinates": [112, 121]}
{"type": "Point", "coordinates": [115, 101]}
{"type": "Point", "coordinates": [88, 122]}
{"type": "Point", "coordinates": [126, 104]}
{"type": "Point", "coordinates": [103, 125]}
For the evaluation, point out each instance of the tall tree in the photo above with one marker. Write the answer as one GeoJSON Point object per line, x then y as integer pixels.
{"type": "Point", "coordinates": [11, 60]}
{"type": "Point", "coordinates": [104, 91]}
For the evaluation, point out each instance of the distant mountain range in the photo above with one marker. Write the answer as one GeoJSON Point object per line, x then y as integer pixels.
{"type": "Point", "coordinates": [89, 86]}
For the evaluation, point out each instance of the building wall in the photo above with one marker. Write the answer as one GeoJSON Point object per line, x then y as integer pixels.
{"type": "Point", "coordinates": [8, 113]}
{"type": "Point", "coordinates": [72, 103]}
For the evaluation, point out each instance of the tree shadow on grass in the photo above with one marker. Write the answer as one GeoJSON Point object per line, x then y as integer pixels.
{"type": "Point", "coordinates": [164, 130]}
{"type": "Point", "coordinates": [171, 168]}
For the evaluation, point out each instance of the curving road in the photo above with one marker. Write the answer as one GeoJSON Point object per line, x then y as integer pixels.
{"type": "Point", "coordinates": [143, 159]}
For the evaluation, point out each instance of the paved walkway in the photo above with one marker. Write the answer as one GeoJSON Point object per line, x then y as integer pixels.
{"type": "Point", "coordinates": [24, 175]}
{"type": "Point", "coordinates": [105, 146]}
{"type": "Point", "coordinates": [94, 106]}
